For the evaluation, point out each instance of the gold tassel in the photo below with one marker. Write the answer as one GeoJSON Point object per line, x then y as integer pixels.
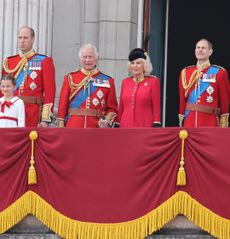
{"type": "Point", "coordinates": [32, 175]}
{"type": "Point", "coordinates": [181, 175]}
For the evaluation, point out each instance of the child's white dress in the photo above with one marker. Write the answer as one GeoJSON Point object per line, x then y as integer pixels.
{"type": "Point", "coordinates": [12, 113]}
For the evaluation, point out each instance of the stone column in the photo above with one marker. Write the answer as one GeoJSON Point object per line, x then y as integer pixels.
{"type": "Point", "coordinates": [66, 41]}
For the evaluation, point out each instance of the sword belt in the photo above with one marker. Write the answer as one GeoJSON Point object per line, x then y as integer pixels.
{"type": "Point", "coordinates": [86, 112]}
{"type": "Point", "coordinates": [203, 108]}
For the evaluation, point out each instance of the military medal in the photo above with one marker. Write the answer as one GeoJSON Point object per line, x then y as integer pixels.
{"type": "Point", "coordinates": [210, 90]}
{"type": "Point", "coordinates": [95, 101]}
{"type": "Point", "coordinates": [30, 66]}
{"type": "Point", "coordinates": [33, 75]}
{"type": "Point", "coordinates": [209, 99]}
{"type": "Point", "coordinates": [39, 66]}
{"type": "Point", "coordinates": [36, 65]}
{"type": "Point", "coordinates": [33, 86]}
{"type": "Point", "coordinates": [209, 78]}
{"type": "Point", "coordinates": [101, 83]}
{"type": "Point", "coordinates": [106, 84]}
{"type": "Point", "coordinates": [100, 94]}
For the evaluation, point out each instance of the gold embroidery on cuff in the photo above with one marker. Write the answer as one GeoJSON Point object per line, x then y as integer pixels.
{"type": "Point", "coordinates": [223, 121]}
{"type": "Point", "coordinates": [60, 123]}
{"type": "Point", "coordinates": [110, 117]}
{"type": "Point", "coordinates": [46, 112]}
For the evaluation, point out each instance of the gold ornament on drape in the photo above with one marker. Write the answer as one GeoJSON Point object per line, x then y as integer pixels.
{"type": "Point", "coordinates": [181, 175]}
{"type": "Point", "coordinates": [32, 175]}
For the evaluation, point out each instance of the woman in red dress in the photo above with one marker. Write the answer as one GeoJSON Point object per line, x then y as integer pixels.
{"type": "Point", "coordinates": [140, 94]}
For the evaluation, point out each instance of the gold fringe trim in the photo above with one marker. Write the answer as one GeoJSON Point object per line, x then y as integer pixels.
{"type": "Point", "coordinates": [180, 203]}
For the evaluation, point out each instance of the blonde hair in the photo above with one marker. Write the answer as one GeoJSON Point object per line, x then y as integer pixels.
{"type": "Point", "coordinates": [148, 68]}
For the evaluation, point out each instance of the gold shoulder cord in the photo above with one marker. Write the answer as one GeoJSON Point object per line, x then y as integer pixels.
{"type": "Point", "coordinates": [17, 68]}
{"type": "Point", "coordinates": [84, 82]}
{"type": "Point", "coordinates": [75, 86]}
{"type": "Point", "coordinates": [193, 78]}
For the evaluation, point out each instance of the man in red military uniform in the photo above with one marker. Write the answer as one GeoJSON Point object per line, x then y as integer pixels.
{"type": "Point", "coordinates": [35, 79]}
{"type": "Point", "coordinates": [204, 91]}
{"type": "Point", "coordinates": [88, 98]}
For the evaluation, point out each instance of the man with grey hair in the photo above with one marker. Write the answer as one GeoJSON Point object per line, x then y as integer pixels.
{"type": "Point", "coordinates": [88, 97]}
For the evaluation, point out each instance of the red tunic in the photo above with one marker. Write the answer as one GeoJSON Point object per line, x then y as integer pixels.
{"type": "Point", "coordinates": [140, 102]}
{"type": "Point", "coordinates": [103, 99]}
{"type": "Point", "coordinates": [39, 83]}
{"type": "Point", "coordinates": [217, 96]}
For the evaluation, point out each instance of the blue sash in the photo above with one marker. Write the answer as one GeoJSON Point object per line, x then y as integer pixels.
{"type": "Point", "coordinates": [82, 95]}
{"type": "Point", "coordinates": [37, 59]}
{"type": "Point", "coordinates": [203, 86]}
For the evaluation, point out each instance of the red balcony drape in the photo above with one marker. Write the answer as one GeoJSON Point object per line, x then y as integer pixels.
{"type": "Point", "coordinates": [95, 181]}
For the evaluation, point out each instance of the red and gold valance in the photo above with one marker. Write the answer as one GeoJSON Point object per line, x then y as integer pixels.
{"type": "Point", "coordinates": [115, 183]}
